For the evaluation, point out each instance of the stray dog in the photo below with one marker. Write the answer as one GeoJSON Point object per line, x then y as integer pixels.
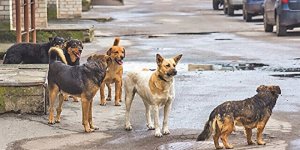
{"type": "Point", "coordinates": [31, 53]}
{"type": "Point", "coordinates": [72, 51]}
{"type": "Point", "coordinates": [82, 81]}
{"type": "Point", "coordinates": [156, 89]}
{"type": "Point", "coordinates": [114, 74]}
{"type": "Point", "coordinates": [251, 113]}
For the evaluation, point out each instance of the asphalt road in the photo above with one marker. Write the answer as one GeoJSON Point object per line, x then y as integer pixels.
{"type": "Point", "coordinates": [203, 36]}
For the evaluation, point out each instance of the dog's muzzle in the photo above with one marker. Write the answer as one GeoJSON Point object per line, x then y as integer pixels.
{"type": "Point", "coordinates": [172, 72]}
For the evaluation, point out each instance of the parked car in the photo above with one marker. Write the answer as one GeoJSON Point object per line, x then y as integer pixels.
{"type": "Point", "coordinates": [285, 14]}
{"type": "Point", "coordinates": [252, 8]}
{"type": "Point", "coordinates": [217, 4]}
{"type": "Point", "coordinates": [231, 5]}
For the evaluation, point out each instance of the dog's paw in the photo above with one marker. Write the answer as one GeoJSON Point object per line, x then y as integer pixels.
{"type": "Point", "coordinates": [166, 131]}
{"type": "Point", "coordinates": [51, 122]}
{"type": "Point", "coordinates": [158, 134]}
{"type": "Point", "coordinates": [117, 104]}
{"type": "Point", "coordinates": [150, 126]}
{"type": "Point", "coordinates": [89, 130]}
{"type": "Point", "coordinates": [261, 143]}
{"type": "Point", "coordinates": [94, 127]}
{"type": "Point", "coordinates": [229, 146]}
{"type": "Point", "coordinates": [57, 121]}
{"type": "Point", "coordinates": [250, 142]}
{"type": "Point", "coordinates": [128, 128]}
{"type": "Point", "coordinates": [219, 147]}
{"type": "Point", "coordinates": [103, 104]}
{"type": "Point", "coordinates": [108, 99]}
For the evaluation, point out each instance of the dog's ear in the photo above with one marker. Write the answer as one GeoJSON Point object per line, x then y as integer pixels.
{"type": "Point", "coordinates": [124, 52]}
{"type": "Point", "coordinates": [159, 59]}
{"type": "Point", "coordinates": [109, 52]}
{"type": "Point", "coordinates": [81, 45]}
{"type": "Point", "coordinates": [51, 39]}
{"type": "Point", "coordinates": [276, 90]}
{"type": "Point", "coordinates": [177, 58]}
{"type": "Point", "coordinates": [261, 88]}
{"type": "Point", "coordinates": [90, 57]}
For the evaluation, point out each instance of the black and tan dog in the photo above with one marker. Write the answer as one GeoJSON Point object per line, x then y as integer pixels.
{"type": "Point", "coordinates": [114, 73]}
{"type": "Point", "coordinates": [81, 81]}
{"type": "Point", "coordinates": [31, 53]}
{"type": "Point", "coordinates": [72, 51]}
{"type": "Point", "coordinates": [251, 113]}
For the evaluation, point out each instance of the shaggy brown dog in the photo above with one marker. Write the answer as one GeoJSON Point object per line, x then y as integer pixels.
{"type": "Point", "coordinates": [82, 81]}
{"type": "Point", "coordinates": [114, 74]}
{"type": "Point", "coordinates": [251, 113]}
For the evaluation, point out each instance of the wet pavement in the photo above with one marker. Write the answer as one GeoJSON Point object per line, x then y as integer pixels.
{"type": "Point", "coordinates": [203, 36]}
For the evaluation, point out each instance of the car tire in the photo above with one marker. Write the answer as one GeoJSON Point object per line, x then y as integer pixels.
{"type": "Point", "coordinates": [225, 10]}
{"type": "Point", "coordinates": [248, 17]}
{"type": "Point", "coordinates": [267, 27]}
{"type": "Point", "coordinates": [215, 4]}
{"type": "Point", "coordinates": [230, 10]}
{"type": "Point", "coordinates": [280, 30]}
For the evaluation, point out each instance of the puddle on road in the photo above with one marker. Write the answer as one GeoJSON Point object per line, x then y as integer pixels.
{"type": "Point", "coordinates": [295, 145]}
{"type": "Point", "coordinates": [225, 67]}
{"type": "Point", "coordinates": [292, 75]}
{"type": "Point", "coordinates": [223, 39]}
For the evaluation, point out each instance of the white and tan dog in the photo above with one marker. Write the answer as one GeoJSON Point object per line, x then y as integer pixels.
{"type": "Point", "coordinates": [156, 89]}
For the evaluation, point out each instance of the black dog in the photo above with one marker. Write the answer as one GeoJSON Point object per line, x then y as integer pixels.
{"type": "Point", "coordinates": [82, 81]}
{"type": "Point", "coordinates": [31, 53]}
{"type": "Point", "coordinates": [72, 51]}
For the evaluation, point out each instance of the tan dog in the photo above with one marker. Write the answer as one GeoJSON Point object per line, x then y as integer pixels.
{"type": "Point", "coordinates": [114, 74]}
{"type": "Point", "coordinates": [156, 89]}
{"type": "Point", "coordinates": [250, 113]}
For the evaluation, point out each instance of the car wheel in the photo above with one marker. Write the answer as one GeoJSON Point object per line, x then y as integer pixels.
{"type": "Point", "coordinates": [230, 10]}
{"type": "Point", "coordinates": [280, 30]}
{"type": "Point", "coordinates": [215, 4]}
{"type": "Point", "coordinates": [268, 27]}
{"type": "Point", "coordinates": [244, 15]}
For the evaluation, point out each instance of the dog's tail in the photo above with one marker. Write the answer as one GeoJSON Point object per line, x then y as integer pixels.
{"type": "Point", "coordinates": [117, 41]}
{"type": "Point", "coordinates": [4, 61]}
{"type": "Point", "coordinates": [209, 127]}
{"type": "Point", "coordinates": [55, 52]}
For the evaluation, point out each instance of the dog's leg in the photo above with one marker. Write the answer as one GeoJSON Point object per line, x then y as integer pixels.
{"type": "Point", "coordinates": [129, 95]}
{"type": "Point", "coordinates": [249, 135]}
{"type": "Point", "coordinates": [75, 99]}
{"type": "Point", "coordinates": [59, 107]}
{"type": "Point", "coordinates": [85, 115]}
{"type": "Point", "coordinates": [260, 128]}
{"type": "Point", "coordinates": [109, 92]}
{"type": "Point", "coordinates": [102, 96]}
{"type": "Point", "coordinates": [53, 91]}
{"type": "Point", "coordinates": [91, 116]}
{"type": "Point", "coordinates": [120, 94]}
{"type": "Point", "coordinates": [66, 97]}
{"type": "Point", "coordinates": [156, 121]}
{"type": "Point", "coordinates": [148, 117]}
{"type": "Point", "coordinates": [217, 136]}
{"type": "Point", "coordinates": [167, 109]}
{"type": "Point", "coordinates": [118, 90]}
{"type": "Point", "coordinates": [226, 130]}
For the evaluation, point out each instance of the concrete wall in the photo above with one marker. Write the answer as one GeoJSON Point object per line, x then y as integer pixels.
{"type": "Point", "coordinates": [69, 8]}
{"type": "Point", "coordinates": [5, 7]}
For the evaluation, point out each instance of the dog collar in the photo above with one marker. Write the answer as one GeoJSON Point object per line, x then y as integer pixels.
{"type": "Point", "coordinates": [161, 78]}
